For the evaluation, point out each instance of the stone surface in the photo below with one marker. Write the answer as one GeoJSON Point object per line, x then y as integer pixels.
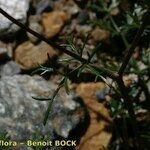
{"type": "Point", "coordinates": [64, 120]}
{"type": "Point", "coordinates": [3, 51]}
{"type": "Point", "coordinates": [96, 136]}
{"type": "Point", "coordinates": [53, 23]}
{"type": "Point", "coordinates": [21, 116]}
{"type": "Point", "coordinates": [9, 69]}
{"type": "Point", "coordinates": [42, 5]}
{"type": "Point", "coordinates": [6, 50]}
{"type": "Point", "coordinates": [34, 24]}
{"type": "Point", "coordinates": [100, 34]}
{"type": "Point", "coordinates": [19, 113]}
{"type": "Point", "coordinates": [29, 56]}
{"type": "Point", "coordinates": [83, 30]}
{"type": "Point", "coordinates": [16, 8]}
{"type": "Point", "coordinates": [68, 6]}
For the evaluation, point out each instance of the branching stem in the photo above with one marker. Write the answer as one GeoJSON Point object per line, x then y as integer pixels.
{"type": "Point", "coordinates": [118, 77]}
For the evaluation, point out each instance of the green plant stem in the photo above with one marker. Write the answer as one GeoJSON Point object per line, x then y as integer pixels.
{"type": "Point", "coordinates": [115, 76]}
{"type": "Point", "coordinates": [39, 36]}
{"type": "Point", "coordinates": [133, 45]}
{"type": "Point", "coordinates": [50, 104]}
{"type": "Point", "coordinates": [125, 134]}
{"type": "Point", "coordinates": [52, 43]}
{"type": "Point", "coordinates": [129, 106]}
{"type": "Point", "coordinates": [105, 71]}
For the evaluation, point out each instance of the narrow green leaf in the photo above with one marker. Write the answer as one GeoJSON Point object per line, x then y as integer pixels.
{"type": "Point", "coordinates": [50, 105]}
{"type": "Point", "coordinates": [94, 51]}
{"type": "Point", "coordinates": [51, 102]}
{"type": "Point", "coordinates": [96, 78]}
{"type": "Point", "coordinates": [41, 98]}
{"type": "Point", "coordinates": [66, 85]}
{"type": "Point", "coordinates": [95, 71]}
{"type": "Point", "coordinates": [80, 70]}
{"type": "Point", "coordinates": [66, 60]}
{"type": "Point", "coordinates": [84, 43]}
{"type": "Point", "coordinates": [43, 70]}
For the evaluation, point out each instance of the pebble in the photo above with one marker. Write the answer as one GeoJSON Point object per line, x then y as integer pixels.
{"type": "Point", "coordinates": [29, 56]}
{"type": "Point", "coordinates": [99, 118]}
{"type": "Point", "coordinates": [3, 51]}
{"type": "Point", "coordinates": [16, 8]}
{"type": "Point", "coordinates": [42, 5]}
{"type": "Point", "coordinates": [53, 23]}
{"type": "Point", "coordinates": [9, 69]}
{"type": "Point", "coordinates": [6, 50]}
{"type": "Point", "coordinates": [68, 6]}
{"type": "Point", "coordinates": [21, 116]}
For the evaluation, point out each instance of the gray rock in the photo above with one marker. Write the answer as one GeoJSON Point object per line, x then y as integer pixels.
{"type": "Point", "coordinates": [21, 116]}
{"type": "Point", "coordinates": [3, 51]}
{"type": "Point", "coordinates": [16, 8]}
{"type": "Point", "coordinates": [42, 5]}
{"type": "Point", "coordinates": [64, 120]}
{"type": "Point", "coordinates": [101, 94]}
{"type": "Point", "coordinates": [6, 50]}
{"type": "Point", "coordinates": [9, 69]}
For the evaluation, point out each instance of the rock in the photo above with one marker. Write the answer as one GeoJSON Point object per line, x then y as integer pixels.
{"type": "Point", "coordinates": [9, 69]}
{"type": "Point", "coordinates": [82, 30]}
{"type": "Point", "coordinates": [100, 34]}
{"type": "Point", "coordinates": [6, 50]}
{"type": "Point", "coordinates": [16, 8]}
{"type": "Point", "coordinates": [96, 136]}
{"type": "Point", "coordinates": [21, 116]}
{"type": "Point", "coordinates": [3, 51]}
{"type": "Point", "coordinates": [34, 24]}
{"type": "Point", "coordinates": [82, 17]}
{"type": "Point", "coordinates": [53, 23]}
{"type": "Point", "coordinates": [42, 5]}
{"type": "Point", "coordinates": [69, 7]}
{"type": "Point", "coordinates": [64, 120]}
{"type": "Point", "coordinates": [101, 94]}
{"type": "Point", "coordinates": [29, 56]}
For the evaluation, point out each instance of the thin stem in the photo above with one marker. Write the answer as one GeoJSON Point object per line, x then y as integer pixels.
{"type": "Point", "coordinates": [41, 37]}
{"type": "Point", "coordinates": [133, 45]}
{"type": "Point", "coordinates": [52, 43]}
{"type": "Point", "coordinates": [125, 134]}
{"type": "Point", "coordinates": [129, 106]}
{"type": "Point", "coordinates": [104, 71]}
{"type": "Point", "coordinates": [50, 105]}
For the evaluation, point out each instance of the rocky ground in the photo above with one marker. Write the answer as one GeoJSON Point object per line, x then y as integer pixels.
{"type": "Point", "coordinates": [79, 115]}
